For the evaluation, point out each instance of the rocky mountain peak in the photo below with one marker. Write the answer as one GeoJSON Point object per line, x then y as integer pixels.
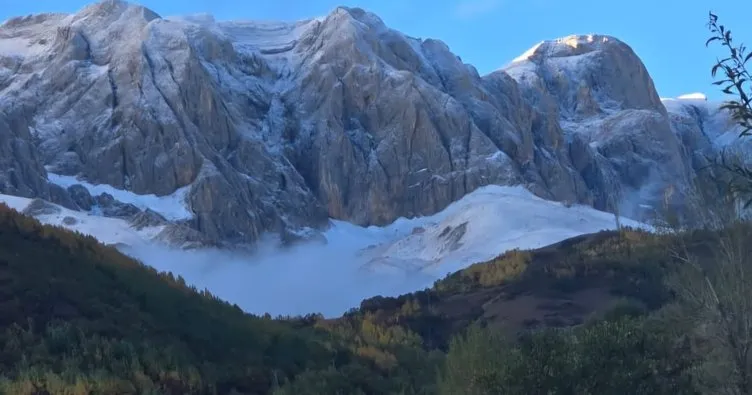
{"type": "Point", "coordinates": [117, 9]}
{"type": "Point", "coordinates": [604, 97]}
{"type": "Point", "coordinates": [351, 30]}
{"type": "Point", "coordinates": [573, 45]}
{"type": "Point", "coordinates": [588, 75]}
{"type": "Point", "coordinates": [357, 14]}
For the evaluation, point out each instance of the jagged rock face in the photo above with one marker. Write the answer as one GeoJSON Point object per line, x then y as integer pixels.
{"type": "Point", "coordinates": [22, 173]}
{"type": "Point", "coordinates": [274, 126]}
{"type": "Point", "coordinates": [119, 96]}
{"type": "Point", "coordinates": [407, 128]}
{"type": "Point", "coordinates": [609, 111]}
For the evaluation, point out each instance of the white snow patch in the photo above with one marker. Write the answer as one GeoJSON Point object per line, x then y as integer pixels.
{"type": "Point", "coordinates": [106, 230]}
{"type": "Point", "coordinates": [15, 202]}
{"type": "Point", "coordinates": [18, 47]}
{"type": "Point", "coordinates": [498, 156]}
{"type": "Point", "coordinates": [489, 221]}
{"type": "Point", "coordinates": [172, 206]}
{"type": "Point", "coordinates": [275, 40]}
{"type": "Point", "coordinates": [689, 98]}
{"type": "Point", "coordinates": [564, 47]}
{"type": "Point", "coordinates": [521, 69]}
{"type": "Point", "coordinates": [681, 103]}
{"type": "Point", "coordinates": [267, 36]}
{"type": "Point", "coordinates": [693, 96]}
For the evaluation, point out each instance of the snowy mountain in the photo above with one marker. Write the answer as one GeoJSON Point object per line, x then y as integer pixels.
{"type": "Point", "coordinates": [397, 162]}
{"type": "Point", "coordinates": [229, 130]}
{"type": "Point", "coordinates": [273, 127]}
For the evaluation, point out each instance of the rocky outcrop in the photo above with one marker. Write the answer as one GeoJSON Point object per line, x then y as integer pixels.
{"type": "Point", "coordinates": [22, 173]}
{"type": "Point", "coordinates": [276, 127]}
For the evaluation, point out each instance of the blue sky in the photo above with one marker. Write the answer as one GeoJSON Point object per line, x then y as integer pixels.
{"type": "Point", "coordinates": [669, 35]}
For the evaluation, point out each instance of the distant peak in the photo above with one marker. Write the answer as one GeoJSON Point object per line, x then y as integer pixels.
{"type": "Point", "coordinates": [354, 11]}
{"type": "Point", "coordinates": [693, 96]}
{"type": "Point", "coordinates": [357, 14]}
{"type": "Point", "coordinates": [110, 8]}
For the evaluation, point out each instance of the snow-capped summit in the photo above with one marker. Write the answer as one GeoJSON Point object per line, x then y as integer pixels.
{"type": "Point", "coordinates": [116, 9]}
{"type": "Point", "coordinates": [588, 74]}
{"type": "Point", "coordinates": [572, 45]}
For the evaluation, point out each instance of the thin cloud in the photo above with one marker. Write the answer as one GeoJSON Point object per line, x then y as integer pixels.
{"type": "Point", "coordinates": [469, 9]}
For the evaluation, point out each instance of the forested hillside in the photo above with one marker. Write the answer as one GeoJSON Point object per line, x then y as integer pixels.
{"type": "Point", "coordinates": [80, 318]}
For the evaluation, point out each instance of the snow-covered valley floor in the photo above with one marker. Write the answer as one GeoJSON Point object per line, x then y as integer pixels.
{"type": "Point", "coordinates": [357, 262]}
